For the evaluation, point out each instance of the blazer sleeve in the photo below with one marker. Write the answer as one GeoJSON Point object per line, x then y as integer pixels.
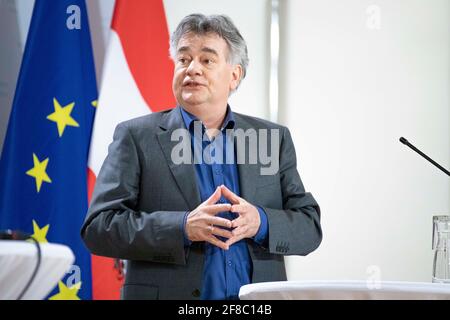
{"type": "Point", "coordinates": [113, 227]}
{"type": "Point", "coordinates": [296, 229]}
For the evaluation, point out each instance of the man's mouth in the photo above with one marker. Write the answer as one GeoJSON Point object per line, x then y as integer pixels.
{"type": "Point", "coordinates": [192, 84]}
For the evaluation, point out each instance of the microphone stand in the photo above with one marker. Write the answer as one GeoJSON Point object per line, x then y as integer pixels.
{"type": "Point", "coordinates": [406, 142]}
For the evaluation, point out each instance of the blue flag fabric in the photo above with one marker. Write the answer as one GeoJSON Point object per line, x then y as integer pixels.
{"type": "Point", "coordinates": [43, 166]}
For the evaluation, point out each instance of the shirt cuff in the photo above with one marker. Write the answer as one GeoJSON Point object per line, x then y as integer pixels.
{"type": "Point", "coordinates": [187, 242]}
{"type": "Point", "coordinates": [263, 231]}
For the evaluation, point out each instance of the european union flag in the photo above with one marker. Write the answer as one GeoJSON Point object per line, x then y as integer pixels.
{"type": "Point", "coordinates": [43, 167]}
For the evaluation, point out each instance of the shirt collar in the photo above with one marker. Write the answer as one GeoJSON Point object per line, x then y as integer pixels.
{"type": "Point", "coordinates": [189, 119]}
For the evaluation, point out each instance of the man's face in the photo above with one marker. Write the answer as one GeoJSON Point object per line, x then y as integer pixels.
{"type": "Point", "coordinates": [202, 76]}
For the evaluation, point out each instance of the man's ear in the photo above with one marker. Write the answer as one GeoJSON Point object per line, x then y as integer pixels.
{"type": "Point", "coordinates": [236, 75]}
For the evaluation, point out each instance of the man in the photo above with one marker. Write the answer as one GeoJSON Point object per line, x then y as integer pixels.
{"type": "Point", "coordinates": [200, 229]}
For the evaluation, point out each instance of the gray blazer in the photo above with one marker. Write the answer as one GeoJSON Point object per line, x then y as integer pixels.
{"type": "Point", "coordinates": [141, 196]}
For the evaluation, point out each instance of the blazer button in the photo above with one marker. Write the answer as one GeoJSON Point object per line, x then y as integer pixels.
{"type": "Point", "coordinates": [196, 293]}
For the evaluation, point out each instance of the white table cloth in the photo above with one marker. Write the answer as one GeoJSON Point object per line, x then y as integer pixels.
{"type": "Point", "coordinates": [17, 262]}
{"type": "Point", "coordinates": [344, 290]}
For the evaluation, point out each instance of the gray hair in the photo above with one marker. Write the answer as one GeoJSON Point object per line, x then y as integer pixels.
{"type": "Point", "coordinates": [218, 24]}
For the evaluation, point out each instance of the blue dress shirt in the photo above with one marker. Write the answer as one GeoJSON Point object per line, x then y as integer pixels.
{"type": "Point", "coordinates": [224, 271]}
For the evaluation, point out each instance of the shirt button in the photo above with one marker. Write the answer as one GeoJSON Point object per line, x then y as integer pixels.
{"type": "Point", "coordinates": [218, 171]}
{"type": "Point", "coordinates": [229, 263]}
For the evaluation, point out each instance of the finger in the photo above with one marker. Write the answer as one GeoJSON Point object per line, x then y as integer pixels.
{"type": "Point", "coordinates": [233, 240]}
{"type": "Point", "coordinates": [214, 197]}
{"type": "Point", "coordinates": [221, 232]}
{"type": "Point", "coordinates": [218, 221]}
{"type": "Point", "coordinates": [240, 231]}
{"type": "Point", "coordinates": [239, 208]}
{"type": "Point", "coordinates": [216, 208]}
{"type": "Point", "coordinates": [238, 222]}
{"type": "Point", "coordinates": [213, 240]}
{"type": "Point", "coordinates": [227, 193]}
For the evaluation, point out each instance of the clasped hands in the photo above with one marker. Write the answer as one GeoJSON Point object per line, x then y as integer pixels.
{"type": "Point", "coordinates": [202, 224]}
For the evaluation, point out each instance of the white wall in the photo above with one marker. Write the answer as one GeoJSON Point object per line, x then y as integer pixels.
{"type": "Point", "coordinates": [348, 93]}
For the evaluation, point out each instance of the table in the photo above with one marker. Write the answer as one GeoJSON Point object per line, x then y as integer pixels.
{"type": "Point", "coordinates": [17, 262]}
{"type": "Point", "coordinates": [344, 290]}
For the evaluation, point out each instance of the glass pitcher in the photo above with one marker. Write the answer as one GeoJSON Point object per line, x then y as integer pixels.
{"type": "Point", "coordinates": [441, 246]}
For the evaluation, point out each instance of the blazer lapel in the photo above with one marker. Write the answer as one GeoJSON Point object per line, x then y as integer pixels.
{"type": "Point", "coordinates": [248, 173]}
{"type": "Point", "coordinates": [184, 174]}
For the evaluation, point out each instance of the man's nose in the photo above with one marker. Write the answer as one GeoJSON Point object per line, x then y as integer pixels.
{"type": "Point", "coordinates": [194, 68]}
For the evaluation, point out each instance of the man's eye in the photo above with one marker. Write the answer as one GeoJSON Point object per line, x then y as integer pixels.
{"type": "Point", "coordinates": [182, 60]}
{"type": "Point", "coordinates": [208, 61]}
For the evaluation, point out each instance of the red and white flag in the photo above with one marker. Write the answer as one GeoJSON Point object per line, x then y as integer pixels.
{"type": "Point", "coordinates": [136, 80]}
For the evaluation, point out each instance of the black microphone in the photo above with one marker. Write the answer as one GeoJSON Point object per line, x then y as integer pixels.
{"type": "Point", "coordinates": [404, 141]}
{"type": "Point", "coordinates": [14, 235]}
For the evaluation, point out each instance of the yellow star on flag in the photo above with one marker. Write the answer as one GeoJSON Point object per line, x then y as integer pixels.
{"type": "Point", "coordinates": [94, 103]}
{"type": "Point", "coordinates": [38, 172]}
{"type": "Point", "coordinates": [40, 234]}
{"type": "Point", "coordinates": [66, 293]}
{"type": "Point", "coordinates": [62, 116]}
